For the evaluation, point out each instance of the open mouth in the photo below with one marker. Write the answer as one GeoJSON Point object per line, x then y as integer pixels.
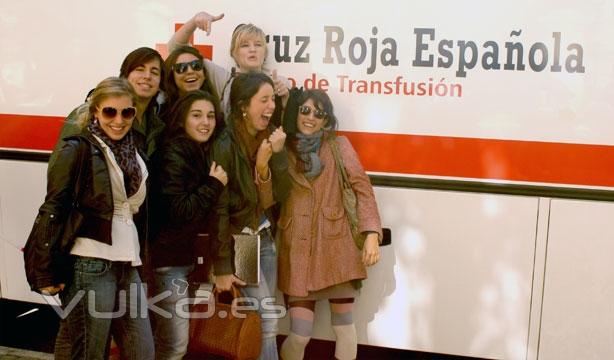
{"type": "Point", "coordinates": [192, 82]}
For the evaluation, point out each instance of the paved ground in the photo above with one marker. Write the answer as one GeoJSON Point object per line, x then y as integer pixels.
{"type": "Point", "coordinates": [7, 353]}
{"type": "Point", "coordinates": [22, 328]}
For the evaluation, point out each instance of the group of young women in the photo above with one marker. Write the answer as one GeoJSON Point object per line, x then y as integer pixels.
{"type": "Point", "coordinates": [132, 181]}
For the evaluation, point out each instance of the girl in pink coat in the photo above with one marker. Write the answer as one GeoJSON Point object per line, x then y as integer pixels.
{"type": "Point", "coordinates": [318, 258]}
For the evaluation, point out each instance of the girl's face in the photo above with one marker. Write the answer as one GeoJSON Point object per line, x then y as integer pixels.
{"type": "Point", "coordinates": [260, 109]}
{"type": "Point", "coordinates": [250, 53]}
{"type": "Point", "coordinates": [200, 121]}
{"type": "Point", "coordinates": [310, 118]}
{"type": "Point", "coordinates": [145, 79]}
{"type": "Point", "coordinates": [188, 72]}
{"type": "Point", "coordinates": [115, 116]}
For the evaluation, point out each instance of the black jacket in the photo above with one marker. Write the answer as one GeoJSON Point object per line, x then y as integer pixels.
{"type": "Point", "coordinates": [184, 197]}
{"type": "Point", "coordinates": [79, 202]}
{"type": "Point", "coordinates": [238, 203]}
{"type": "Point", "coordinates": [148, 133]}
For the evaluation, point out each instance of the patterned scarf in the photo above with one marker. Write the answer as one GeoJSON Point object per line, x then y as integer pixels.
{"type": "Point", "coordinates": [125, 155]}
{"type": "Point", "coordinates": [307, 148]}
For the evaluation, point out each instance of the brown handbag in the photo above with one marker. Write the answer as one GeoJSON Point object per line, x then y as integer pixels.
{"type": "Point", "coordinates": [222, 333]}
{"type": "Point", "coordinates": [348, 196]}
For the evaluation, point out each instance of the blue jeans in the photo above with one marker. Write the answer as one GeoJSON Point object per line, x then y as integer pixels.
{"type": "Point", "coordinates": [266, 289]}
{"type": "Point", "coordinates": [171, 329]}
{"type": "Point", "coordinates": [105, 297]}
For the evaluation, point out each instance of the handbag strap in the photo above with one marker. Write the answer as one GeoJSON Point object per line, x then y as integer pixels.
{"type": "Point", "coordinates": [344, 179]}
{"type": "Point", "coordinates": [80, 166]}
{"type": "Point", "coordinates": [233, 291]}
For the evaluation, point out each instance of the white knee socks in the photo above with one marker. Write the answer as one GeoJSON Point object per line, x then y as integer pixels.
{"type": "Point", "coordinates": [346, 345]}
{"type": "Point", "coordinates": [293, 347]}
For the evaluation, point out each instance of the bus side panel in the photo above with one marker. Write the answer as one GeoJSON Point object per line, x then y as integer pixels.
{"type": "Point", "coordinates": [457, 278]}
{"type": "Point", "coordinates": [578, 310]}
{"type": "Point", "coordinates": [22, 191]}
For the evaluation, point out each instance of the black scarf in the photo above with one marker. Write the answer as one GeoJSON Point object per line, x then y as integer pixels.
{"type": "Point", "coordinates": [125, 155]}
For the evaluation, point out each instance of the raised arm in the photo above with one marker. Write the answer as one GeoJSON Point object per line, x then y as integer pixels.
{"type": "Point", "coordinates": [201, 20]}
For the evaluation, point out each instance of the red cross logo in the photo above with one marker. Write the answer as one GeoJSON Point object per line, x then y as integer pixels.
{"type": "Point", "coordinates": [205, 50]}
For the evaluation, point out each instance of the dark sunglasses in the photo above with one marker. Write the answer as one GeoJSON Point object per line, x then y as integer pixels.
{"type": "Point", "coordinates": [127, 113]}
{"type": "Point", "coordinates": [180, 68]}
{"type": "Point", "coordinates": [306, 110]}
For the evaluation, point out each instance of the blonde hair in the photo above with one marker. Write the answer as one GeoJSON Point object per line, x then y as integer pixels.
{"type": "Point", "coordinates": [244, 32]}
{"type": "Point", "coordinates": [107, 88]}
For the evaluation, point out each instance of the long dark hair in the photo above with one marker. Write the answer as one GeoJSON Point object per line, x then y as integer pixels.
{"type": "Point", "coordinates": [170, 87]}
{"type": "Point", "coordinates": [322, 102]}
{"type": "Point", "coordinates": [181, 109]}
{"type": "Point", "coordinates": [244, 87]}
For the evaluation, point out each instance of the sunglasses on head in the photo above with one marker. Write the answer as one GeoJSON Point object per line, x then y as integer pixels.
{"type": "Point", "coordinates": [180, 68]}
{"type": "Point", "coordinates": [127, 113]}
{"type": "Point", "coordinates": [306, 110]}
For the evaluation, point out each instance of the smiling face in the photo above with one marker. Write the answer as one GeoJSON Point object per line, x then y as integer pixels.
{"type": "Point", "coordinates": [200, 121]}
{"type": "Point", "coordinates": [145, 79]}
{"type": "Point", "coordinates": [116, 123]}
{"type": "Point", "coordinates": [190, 79]}
{"type": "Point", "coordinates": [311, 118]}
{"type": "Point", "coordinates": [260, 109]}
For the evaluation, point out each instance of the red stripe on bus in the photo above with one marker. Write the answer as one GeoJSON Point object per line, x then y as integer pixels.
{"type": "Point", "coordinates": [30, 132]}
{"type": "Point", "coordinates": [513, 160]}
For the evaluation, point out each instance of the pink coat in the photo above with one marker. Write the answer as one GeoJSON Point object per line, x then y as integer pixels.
{"type": "Point", "coordinates": [316, 249]}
